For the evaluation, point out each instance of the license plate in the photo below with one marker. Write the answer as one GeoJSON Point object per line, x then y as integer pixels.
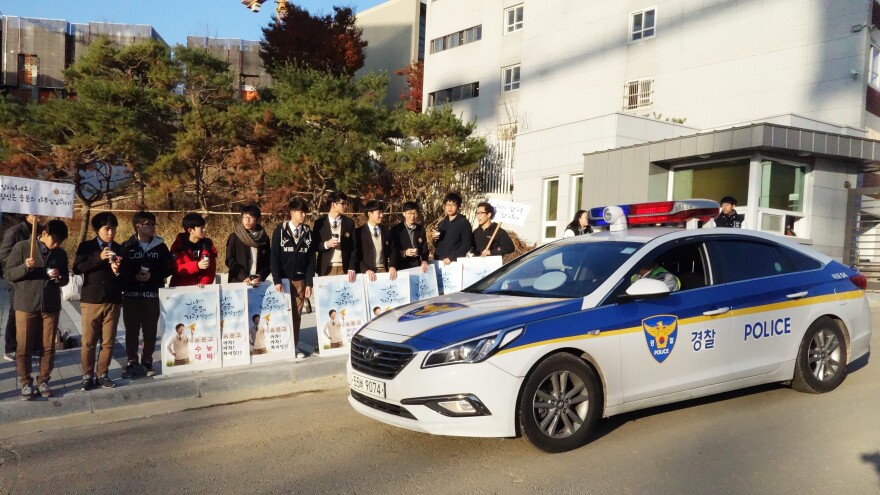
{"type": "Point", "coordinates": [367, 385]}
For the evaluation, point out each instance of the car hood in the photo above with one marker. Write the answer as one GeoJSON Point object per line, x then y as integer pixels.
{"type": "Point", "coordinates": [455, 317]}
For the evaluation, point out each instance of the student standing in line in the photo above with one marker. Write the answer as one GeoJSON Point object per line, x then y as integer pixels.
{"type": "Point", "coordinates": [14, 235]}
{"type": "Point", "coordinates": [247, 249]}
{"type": "Point", "coordinates": [336, 240]}
{"type": "Point", "coordinates": [373, 244]}
{"type": "Point", "coordinates": [145, 265]}
{"type": "Point", "coordinates": [38, 283]}
{"type": "Point", "coordinates": [409, 240]}
{"type": "Point", "coordinates": [486, 230]}
{"type": "Point", "coordinates": [99, 261]}
{"type": "Point", "coordinates": [453, 233]}
{"type": "Point", "coordinates": [195, 257]}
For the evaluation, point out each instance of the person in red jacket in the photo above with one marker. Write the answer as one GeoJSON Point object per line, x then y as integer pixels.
{"type": "Point", "coordinates": [195, 257]}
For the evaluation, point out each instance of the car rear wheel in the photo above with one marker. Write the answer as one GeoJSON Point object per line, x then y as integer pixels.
{"type": "Point", "coordinates": [821, 359]}
{"type": "Point", "coordinates": [560, 404]}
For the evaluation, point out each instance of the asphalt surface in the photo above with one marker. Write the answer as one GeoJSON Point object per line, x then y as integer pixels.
{"type": "Point", "coordinates": [767, 439]}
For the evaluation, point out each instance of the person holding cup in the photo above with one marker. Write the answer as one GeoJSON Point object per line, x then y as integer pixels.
{"type": "Point", "coordinates": [247, 249]}
{"type": "Point", "coordinates": [409, 241]}
{"type": "Point", "coordinates": [336, 239]}
{"type": "Point", "coordinates": [38, 283]}
{"type": "Point", "coordinates": [452, 237]}
{"type": "Point", "coordinates": [194, 254]}
{"type": "Point", "coordinates": [145, 265]}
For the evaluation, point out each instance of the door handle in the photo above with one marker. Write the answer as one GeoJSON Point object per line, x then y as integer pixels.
{"type": "Point", "coordinates": [594, 332]}
{"type": "Point", "coordinates": [797, 295]}
{"type": "Point", "coordinates": [715, 312]}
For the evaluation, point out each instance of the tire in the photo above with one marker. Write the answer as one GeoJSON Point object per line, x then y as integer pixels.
{"type": "Point", "coordinates": [560, 404]}
{"type": "Point", "coordinates": [821, 360]}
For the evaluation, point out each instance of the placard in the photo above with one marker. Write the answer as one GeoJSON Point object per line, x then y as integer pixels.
{"type": "Point", "coordinates": [448, 276]}
{"type": "Point", "coordinates": [234, 325]}
{"type": "Point", "coordinates": [385, 294]}
{"type": "Point", "coordinates": [270, 323]}
{"type": "Point", "coordinates": [190, 323]}
{"type": "Point", "coordinates": [508, 212]}
{"type": "Point", "coordinates": [475, 268]}
{"type": "Point", "coordinates": [341, 311]}
{"type": "Point", "coordinates": [36, 197]}
{"type": "Point", "coordinates": [422, 285]}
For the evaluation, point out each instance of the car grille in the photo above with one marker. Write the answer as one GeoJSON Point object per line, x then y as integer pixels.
{"type": "Point", "coordinates": [387, 359]}
{"type": "Point", "coordinates": [382, 406]}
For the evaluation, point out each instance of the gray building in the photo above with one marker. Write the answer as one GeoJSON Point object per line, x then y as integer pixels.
{"type": "Point", "coordinates": [243, 57]}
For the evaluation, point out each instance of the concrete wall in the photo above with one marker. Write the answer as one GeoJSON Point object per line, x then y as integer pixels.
{"type": "Point", "coordinates": [45, 38]}
{"type": "Point", "coordinates": [243, 57]}
{"type": "Point", "coordinates": [827, 212]}
{"type": "Point", "coordinates": [392, 31]}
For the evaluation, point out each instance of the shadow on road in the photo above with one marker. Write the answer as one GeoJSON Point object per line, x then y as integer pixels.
{"type": "Point", "coordinates": [875, 460]}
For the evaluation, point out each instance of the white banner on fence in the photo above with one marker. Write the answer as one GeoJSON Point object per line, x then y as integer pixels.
{"type": "Point", "coordinates": [190, 328]}
{"type": "Point", "coordinates": [448, 276]}
{"type": "Point", "coordinates": [36, 197]}
{"type": "Point", "coordinates": [508, 212]}
{"type": "Point", "coordinates": [272, 331]}
{"type": "Point", "coordinates": [234, 324]}
{"type": "Point", "coordinates": [474, 269]}
{"type": "Point", "coordinates": [341, 310]}
{"type": "Point", "coordinates": [422, 285]}
{"type": "Point", "coordinates": [385, 294]}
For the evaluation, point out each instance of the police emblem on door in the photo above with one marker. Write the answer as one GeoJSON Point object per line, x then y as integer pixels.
{"type": "Point", "coordinates": [661, 332]}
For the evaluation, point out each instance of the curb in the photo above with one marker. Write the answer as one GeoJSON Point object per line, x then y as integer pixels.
{"type": "Point", "coordinates": [196, 385]}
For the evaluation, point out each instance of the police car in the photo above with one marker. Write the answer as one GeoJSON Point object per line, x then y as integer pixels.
{"type": "Point", "coordinates": [578, 329]}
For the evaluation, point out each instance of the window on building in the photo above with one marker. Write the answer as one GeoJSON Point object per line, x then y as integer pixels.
{"type": "Point", "coordinates": [550, 208]}
{"type": "Point", "coordinates": [457, 93]}
{"type": "Point", "coordinates": [638, 94]}
{"type": "Point", "coordinates": [642, 25]}
{"type": "Point", "coordinates": [781, 198]}
{"type": "Point", "coordinates": [456, 39]}
{"type": "Point", "coordinates": [713, 181]}
{"type": "Point", "coordinates": [513, 19]}
{"type": "Point", "coordinates": [28, 69]}
{"type": "Point", "coordinates": [510, 78]}
{"type": "Point", "coordinates": [577, 193]}
{"type": "Point", "coordinates": [873, 77]}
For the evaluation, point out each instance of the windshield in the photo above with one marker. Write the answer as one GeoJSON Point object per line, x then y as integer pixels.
{"type": "Point", "coordinates": [567, 270]}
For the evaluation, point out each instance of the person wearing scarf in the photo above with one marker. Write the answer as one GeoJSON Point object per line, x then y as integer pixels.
{"type": "Point", "coordinates": [247, 249]}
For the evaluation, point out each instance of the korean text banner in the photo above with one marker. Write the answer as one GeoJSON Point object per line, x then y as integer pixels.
{"type": "Point", "coordinates": [385, 294]}
{"type": "Point", "coordinates": [448, 276]}
{"type": "Point", "coordinates": [422, 285]}
{"type": "Point", "coordinates": [190, 328]}
{"type": "Point", "coordinates": [474, 269]}
{"type": "Point", "coordinates": [234, 326]}
{"type": "Point", "coordinates": [270, 322]}
{"type": "Point", "coordinates": [508, 212]}
{"type": "Point", "coordinates": [341, 310]}
{"type": "Point", "coordinates": [36, 197]}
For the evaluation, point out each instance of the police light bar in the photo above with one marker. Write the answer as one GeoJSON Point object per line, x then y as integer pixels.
{"type": "Point", "coordinates": [660, 212]}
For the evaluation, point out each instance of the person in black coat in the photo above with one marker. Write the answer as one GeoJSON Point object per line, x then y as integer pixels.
{"type": "Point", "coordinates": [12, 236]}
{"type": "Point", "coordinates": [146, 263]}
{"type": "Point", "coordinates": [501, 244]}
{"type": "Point", "coordinates": [453, 234]}
{"type": "Point", "coordinates": [292, 256]}
{"type": "Point", "coordinates": [99, 262]}
{"type": "Point", "coordinates": [336, 240]}
{"type": "Point", "coordinates": [247, 249]}
{"type": "Point", "coordinates": [373, 250]}
{"type": "Point", "coordinates": [728, 216]}
{"type": "Point", "coordinates": [409, 240]}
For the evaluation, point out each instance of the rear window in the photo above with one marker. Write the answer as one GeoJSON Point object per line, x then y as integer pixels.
{"type": "Point", "coordinates": [738, 260]}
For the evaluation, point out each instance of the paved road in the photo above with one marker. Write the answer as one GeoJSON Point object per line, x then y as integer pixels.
{"type": "Point", "coordinates": [763, 440]}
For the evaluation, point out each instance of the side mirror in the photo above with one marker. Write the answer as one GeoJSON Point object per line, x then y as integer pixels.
{"type": "Point", "coordinates": [644, 288]}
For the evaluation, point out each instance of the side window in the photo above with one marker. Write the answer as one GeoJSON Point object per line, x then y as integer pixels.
{"type": "Point", "coordinates": [801, 262]}
{"type": "Point", "coordinates": [686, 261]}
{"type": "Point", "coordinates": [738, 260]}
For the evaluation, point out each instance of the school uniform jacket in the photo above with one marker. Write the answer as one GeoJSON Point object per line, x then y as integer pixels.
{"type": "Point", "coordinates": [400, 242]}
{"type": "Point", "coordinates": [100, 284]}
{"type": "Point", "coordinates": [365, 251]}
{"type": "Point", "coordinates": [292, 258]}
{"type": "Point", "coordinates": [323, 233]}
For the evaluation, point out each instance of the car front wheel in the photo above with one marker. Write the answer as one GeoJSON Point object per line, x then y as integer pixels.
{"type": "Point", "coordinates": [560, 404]}
{"type": "Point", "coordinates": [821, 359]}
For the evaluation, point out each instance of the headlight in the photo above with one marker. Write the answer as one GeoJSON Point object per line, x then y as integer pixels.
{"type": "Point", "coordinates": [474, 350]}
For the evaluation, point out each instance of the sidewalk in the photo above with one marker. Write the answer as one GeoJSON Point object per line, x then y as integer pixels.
{"type": "Point", "coordinates": [68, 399]}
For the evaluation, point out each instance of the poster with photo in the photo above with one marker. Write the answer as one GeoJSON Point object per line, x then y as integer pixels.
{"type": "Point", "coordinates": [341, 310]}
{"type": "Point", "coordinates": [270, 323]}
{"type": "Point", "coordinates": [474, 269]}
{"type": "Point", "coordinates": [422, 285]}
{"type": "Point", "coordinates": [385, 294]}
{"type": "Point", "coordinates": [234, 325]}
{"type": "Point", "coordinates": [190, 326]}
{"type": "Point", "coordinates": [448, 276]}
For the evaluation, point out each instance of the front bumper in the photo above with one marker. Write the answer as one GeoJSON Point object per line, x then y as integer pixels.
{"type": "Point", "coordinates": [495, 389]}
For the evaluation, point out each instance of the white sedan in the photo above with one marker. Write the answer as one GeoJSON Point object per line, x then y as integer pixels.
{"type": "Point", "coordinates": [597, 325]}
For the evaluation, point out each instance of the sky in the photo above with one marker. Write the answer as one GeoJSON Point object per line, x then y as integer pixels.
{"type": "Point", "coordinates": [174, 20]}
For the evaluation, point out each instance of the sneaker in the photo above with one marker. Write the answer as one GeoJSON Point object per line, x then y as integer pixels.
{"type": "Point", "coordinates": [148, 369]}
{"type": "Point", "coordinates": [132, 370]}
{"type": "Point", "coordinates": [105, 382]}
{"type": "Point", "coordinates": [9, 356]}
{"type": "Point", "coordinates": [300, 354]}
{"type": "Point", "coordinates": [27, 392]}
{"type": "Point", "coordinates": [88, 383]}
{"type": "Point", "coordinates": [43, 389]}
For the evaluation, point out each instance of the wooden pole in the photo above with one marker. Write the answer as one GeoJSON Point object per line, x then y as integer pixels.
{"type": "Point", "coordinates": [497, 227]}
{"type": "Point", "coordinates": [34, 238]}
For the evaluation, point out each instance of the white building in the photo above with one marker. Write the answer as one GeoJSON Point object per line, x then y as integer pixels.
{"type": "Point", "coordinates": [575, 78]}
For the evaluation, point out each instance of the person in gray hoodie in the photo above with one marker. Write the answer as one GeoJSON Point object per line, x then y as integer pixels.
{"type": "Point", "coordinates": [37, 281]}
{"type": "Point", "coordinates": [146, 262]}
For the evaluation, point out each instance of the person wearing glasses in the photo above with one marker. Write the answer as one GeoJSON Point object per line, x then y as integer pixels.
{"type": "Point", "coordinates": [373, 250]}
{"type": "Point", "coordinates": [484, 232]}
{"type": "Point", "coordinates": [336, 240]}
{"type": "Point", "coordinates": [146, 262]}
